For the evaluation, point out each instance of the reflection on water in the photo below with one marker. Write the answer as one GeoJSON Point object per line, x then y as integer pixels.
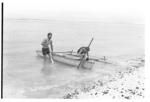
{"type": "Point", "coordinates": [47, 67]}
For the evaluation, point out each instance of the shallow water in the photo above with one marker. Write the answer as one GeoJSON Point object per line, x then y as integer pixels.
{"type": "Point", "coordinates": [26, 75]}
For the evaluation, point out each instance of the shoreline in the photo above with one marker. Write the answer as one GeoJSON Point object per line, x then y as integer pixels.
{"type": "Point", "coordinates": [128, 84]}
{"type": "Point", "coordinates": [123, 79]}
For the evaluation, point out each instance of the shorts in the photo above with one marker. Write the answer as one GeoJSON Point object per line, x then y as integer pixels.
{"type": "Point", "coordinates": [45, 51]}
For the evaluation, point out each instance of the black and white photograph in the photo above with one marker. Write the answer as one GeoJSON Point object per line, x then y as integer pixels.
{"type": "Point", "coordinates": [73, 49]}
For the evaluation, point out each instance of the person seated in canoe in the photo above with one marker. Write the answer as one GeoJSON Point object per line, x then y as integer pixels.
{"type": "Point", "coordinates": [84, 51]}
{"type": "Point", "coordinates": [46, 50]}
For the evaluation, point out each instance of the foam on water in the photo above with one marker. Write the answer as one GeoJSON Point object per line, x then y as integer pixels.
{"type": "Point", "coordinates": [26, 75]}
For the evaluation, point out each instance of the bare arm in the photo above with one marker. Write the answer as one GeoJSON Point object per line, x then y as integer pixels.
{"type": "Point", "coordinates": [45, 43]}
{"type": "Point", "coordinates": [88, 54]}
{"type": "Point", "coordinates": [51, 45]}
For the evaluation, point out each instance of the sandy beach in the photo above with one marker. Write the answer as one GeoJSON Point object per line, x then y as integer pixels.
{"type": "Point", "coordinates": [27, 76]}
{"type": "Point", "coordinates": [127, 84]}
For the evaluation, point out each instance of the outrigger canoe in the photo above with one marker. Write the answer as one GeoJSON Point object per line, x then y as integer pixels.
{"type": "Point", "coordinates": [71, 59]}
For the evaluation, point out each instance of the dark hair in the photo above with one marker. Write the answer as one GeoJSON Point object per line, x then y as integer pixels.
{"type": "Point", "coordinates": [49, 34]}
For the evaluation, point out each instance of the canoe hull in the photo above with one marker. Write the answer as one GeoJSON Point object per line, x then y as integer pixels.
{"type": "Point", "coordinates": [69, 59]}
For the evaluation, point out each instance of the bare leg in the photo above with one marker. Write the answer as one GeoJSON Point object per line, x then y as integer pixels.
{"type": "Point", "coordinates": [51, 57]}
{"type": "Point", "coordinates": [44, 56]}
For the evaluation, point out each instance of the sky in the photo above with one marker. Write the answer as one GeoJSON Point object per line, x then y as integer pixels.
{"type": "Point", "coordinates": [91, 10]}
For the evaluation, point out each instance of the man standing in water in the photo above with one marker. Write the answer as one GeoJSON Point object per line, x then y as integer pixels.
{"type": "Point", "coordinates": [46, 50]}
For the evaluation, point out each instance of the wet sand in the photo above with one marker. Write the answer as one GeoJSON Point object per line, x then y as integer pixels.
{"type": "Point", "coordinates": [127, 84]}
{"type": "Point", "coordinates": [27, 76]}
